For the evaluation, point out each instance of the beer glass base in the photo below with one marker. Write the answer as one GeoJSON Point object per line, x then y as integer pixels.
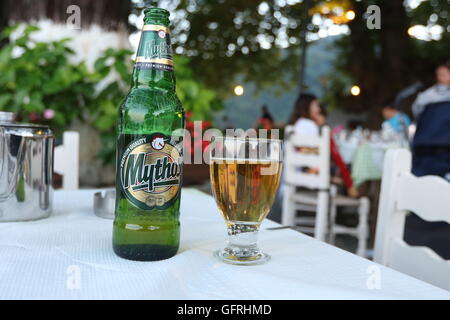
{"type": "Point", "coordinates": [242, 257]}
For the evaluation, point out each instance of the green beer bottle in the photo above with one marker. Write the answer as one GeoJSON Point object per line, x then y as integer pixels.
{"type": "Point", "coordinates": [149, 165]}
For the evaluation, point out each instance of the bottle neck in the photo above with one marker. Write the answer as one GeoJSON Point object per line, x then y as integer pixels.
{"type": "Point", "coordinates": [154, 66]}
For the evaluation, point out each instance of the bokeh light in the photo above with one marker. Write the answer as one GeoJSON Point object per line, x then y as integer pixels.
{"type": "Point", "coordinates": [355, 91]}
{"type": "Point", "coordinates": [239, 90]}
{"type": "Point", "coordinates": [350, 15]}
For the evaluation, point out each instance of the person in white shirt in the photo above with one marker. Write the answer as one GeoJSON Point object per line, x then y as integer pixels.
{"type": "Point", "coordinates": [306, 109]}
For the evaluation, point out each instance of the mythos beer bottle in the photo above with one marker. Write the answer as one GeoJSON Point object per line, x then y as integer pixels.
{"type": "Point", "coordinates": [149, 166]}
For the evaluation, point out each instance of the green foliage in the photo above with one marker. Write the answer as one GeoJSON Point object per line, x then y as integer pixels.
{"type": "Point", "coordinates": [222, 39]}
{"type": "Point", "coordinates": [43, 84]}
{"type": "Point", "coordinates": [256, 41]}
{"type": "Point", "coordinates": [42, 78]}
{"type": "Point", "coordinates": [194, 95]}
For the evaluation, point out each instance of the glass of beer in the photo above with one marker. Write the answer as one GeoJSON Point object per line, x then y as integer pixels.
{"type": "Point", "coordinates": [245, 174]}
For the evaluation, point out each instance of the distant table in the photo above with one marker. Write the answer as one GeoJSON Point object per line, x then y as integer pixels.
{"type": "Point", "coordinates": [69, 256]}
{"type": "Point", "coordinates": [367, 163]}
{"type": "Point", "coordinates": [365, 158]}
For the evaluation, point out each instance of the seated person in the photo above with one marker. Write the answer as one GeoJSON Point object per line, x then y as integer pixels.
{"type": "Point", "coordinates": [266, 119]}
{"type": "Point", "coordinates": [306, 109]}
{"type": "Point", "coordinates": [395, 120]}
{"type": "Point", "coordinates": [306, 118]}
{"type": "Point", "coordinates": [437, 93]}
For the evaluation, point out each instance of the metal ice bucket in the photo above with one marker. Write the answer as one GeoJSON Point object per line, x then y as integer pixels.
{"type": "Point", "coordinates": [26, 169]}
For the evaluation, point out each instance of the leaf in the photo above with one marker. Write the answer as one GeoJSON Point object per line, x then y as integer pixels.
{"type": "Point", "coordinates": [30, 29]}
{"type": "Point", "coordinates": [122, 69]}
{"type": "Point", "coordinates": [36, 103]}
{"type": "Point", "coordinates": [51, 87]}
{"type": "Point", "coordinates": [101, 67]}
{"type": "Point", "coordinates": [4, 99]}
{"type": "Point", "coordinates": [6, 33]}
{"type": "Point", "coordinates": [59, 118]}
{"type": "Point", "coordinates": [7, 78]}
{"type": "Point", "coordinates": [20, 96]}
{"type": "Point", "coordinates": [5, 56]}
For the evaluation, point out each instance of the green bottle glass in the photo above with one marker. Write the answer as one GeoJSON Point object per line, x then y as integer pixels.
{"type": "Point", "coordinates": [149, 167]}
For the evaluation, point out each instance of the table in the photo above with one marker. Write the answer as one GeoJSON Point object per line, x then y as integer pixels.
{"type": "Point", "coordinates": [69, 256]}
{"type": "Point", "coordinates": [365, 152]}
{"type": "Point", "coordinates": [366, 159]}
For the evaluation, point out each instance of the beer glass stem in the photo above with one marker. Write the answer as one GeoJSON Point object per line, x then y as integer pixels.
{"type": "Point", "coordinates": [243, 235]}
{"type": "Point", "coordinates": [242, 245]}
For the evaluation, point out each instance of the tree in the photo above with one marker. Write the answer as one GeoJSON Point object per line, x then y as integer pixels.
{"type": "Point", "coordinates": [230, 41]}
{"type": "Point", "coordinates": [235, 40]}
{"type": "Point", "coordinates": [3, 20]}
{"type": "Point", "coordinates": [258, 41]}
{"type": "Point", "coordinates": [383, 62]}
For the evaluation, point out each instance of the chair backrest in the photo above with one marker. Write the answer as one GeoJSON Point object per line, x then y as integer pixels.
{"type": "Point", "coordinates": [401, 193]}
{"type": "Point", "coordinates": [66, 160]}
{"type": "Point", "coordinates": [302, 151]}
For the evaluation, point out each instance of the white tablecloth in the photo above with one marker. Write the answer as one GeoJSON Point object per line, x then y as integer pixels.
{"type": "Point", "coordinates": [69, 256]}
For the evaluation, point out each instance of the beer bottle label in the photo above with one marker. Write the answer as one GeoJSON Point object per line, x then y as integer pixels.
{"type": "Point", "coordinates": [150, 171]}
{"type": "Point", "coordinates": [155, 51]}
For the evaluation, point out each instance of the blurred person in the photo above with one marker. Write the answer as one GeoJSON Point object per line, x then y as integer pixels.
{"type": "Point", "coordinates": [431, 143]}
{"type": "Point", "coordinates": [307, 117]}
{"type": "Point", "coordinates": [344, 173]}
{"type": "Point", "coordinates": [226, 124]}
{"type": "Point", "coordinates": [306, 109]}
{"type": "Point", "coordinates": [321, 118]}
{"type": "Point", "coordinates": [431, 156]}
{"type": "Point", "coordinates": [301, 119]}
{"type": "Point", "coordinates": [266, 119]}
{"type": "Point", "coordinates": [437, 93]}
{"type": "Point", "coordinates": [395, 120]}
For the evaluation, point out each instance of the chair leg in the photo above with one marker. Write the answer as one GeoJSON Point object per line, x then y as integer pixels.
{"type": "Point", "coordinates": [363, 227]}
{"type": "Point", "coordinates": [333, 209]}
{"type": "Point", "coordinates": [288, 212]}
{"type": "Point", "coordinates": [321, 224]}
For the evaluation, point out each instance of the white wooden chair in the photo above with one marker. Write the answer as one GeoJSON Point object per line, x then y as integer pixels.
{"type": "Point", "coordinates": [361, 231]}
{"type": "Point", "coordinates": [325, 199]}
{"type": "Point", "coordinates": [401, 193]}
{"type": "Point", "coordinates": [294, 177]}
{"type": "Point", "coordinates": [67, 160]}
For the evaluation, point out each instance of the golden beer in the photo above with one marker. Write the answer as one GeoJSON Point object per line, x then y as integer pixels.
{"type": "Point", "coordinates": [245, 189]}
